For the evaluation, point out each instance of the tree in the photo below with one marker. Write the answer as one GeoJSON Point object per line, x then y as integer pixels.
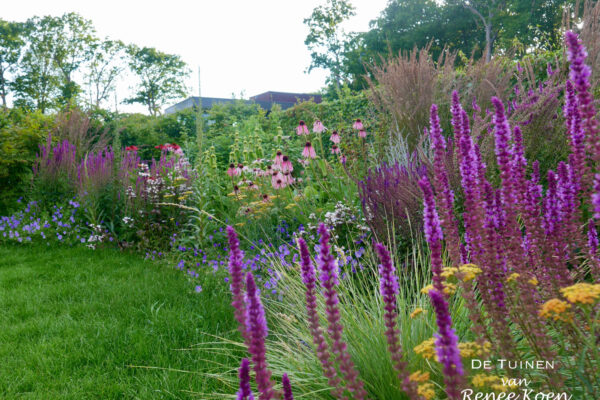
{"type": "Point", "coordinates": [37, 84]}
{"type": "Point", "coordinates": [11, 47]}
{"type": "Point", "coordinates": [161, 77]}
{"type": "Point", "coordinates": [325, 39]}
{"type": "Point", "coordinates": [104, 69]}
{"type": "Point", "coordinates": [73, 38]}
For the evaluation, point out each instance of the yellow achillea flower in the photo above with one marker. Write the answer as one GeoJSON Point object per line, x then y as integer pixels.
{"type": "Point", "coordinates": [468, 272]}
{"type": "Point", "coordinates": [449, 288]}
{"type": "Point", "coordinates": [492, 381]}
{"type": "Point", "coordinates": [474, 349]}
{"type": "Point", "coordinates": [556, 309]}
{"type": "Point", "coordinates": [419, 376]}
{"type": "Point", "coordinates": [426, 390]}
{"type": "Point", "coordinates": [584, 293]}
{"type": "Point", "coordinates": [341, 254]}
{"type": "Point", "coordinates": [448, 272]}
{"type": "Point", "coordinates": [426, 349]}
{"type": "Point", "coordinates": [290, 206]}
{"type": "Point", "coordinates": [416, 312]}
{"type": "Point", "coordinates": [513, 277]}
{"type": "Point", "coordinates": [533, 281]}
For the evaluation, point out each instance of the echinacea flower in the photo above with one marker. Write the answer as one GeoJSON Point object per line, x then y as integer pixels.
{"type": "Point", "coordinates": [277, 180]}
{"type": "Point", "coordinates": [362, 133]}
{"type": "Point", "coordinates": [358, 125]}
{"type": "Point", "coordinates": [302, 129]}
{"type": "Point", "coordinates": [309, 151]}
{"type": "Point", "coordinates": [286, 164]}
{"type": "Point", "coordinates": [335, 137]}
{"type": "Point", "coordinates": [318, 127]}
{"type": "Point", "coordinates": [278, 158]}
{"type": "Point", "coordinates": [335, 149]}
{"type": "Point", "coordinates": [232, 171]}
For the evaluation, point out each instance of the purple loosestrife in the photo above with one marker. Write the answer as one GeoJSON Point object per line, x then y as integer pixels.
{"type": "Point", "coordinates": [257, 332]}
{"type": "Point", "coordinates": [503, 150]}
{"type": "Point", "coordinates": [576, 135]}
{"type": "Point", "coordinates": [236, 259]}
{"type": "Point", "coordinates": [287, 388]}
{"type": "Point", "coordinates": [389, 291]}
{"type": "Point", "coordinates": [596, 196]}
{"type": "Point", "coordinates": [433, 234]}
{"type": "Point", "coordinates": [329, 281]}
{"type": "Point", "coordinates": [309, 279]}
{"type": "Point", "coordinates": [445, 195]}
{"type": "Point", "coordinates": [245, 392]}
{"type": "Point", "coordinates": [446, 344]}
{"type": "Point", "coordinates": [593, 250]}
{"type": "Point", "coordinates": [580, 74]}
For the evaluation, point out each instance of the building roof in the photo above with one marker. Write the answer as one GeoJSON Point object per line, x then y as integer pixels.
{"type": "Point", "coordinates": [264, 100]}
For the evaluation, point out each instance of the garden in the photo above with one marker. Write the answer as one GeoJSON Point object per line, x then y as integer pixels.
{"type": "Point", "coordinates": [430, 235]}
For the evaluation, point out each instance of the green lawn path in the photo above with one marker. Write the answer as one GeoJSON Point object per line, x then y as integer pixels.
{"type": "Point", "coordinates": [73, 321]}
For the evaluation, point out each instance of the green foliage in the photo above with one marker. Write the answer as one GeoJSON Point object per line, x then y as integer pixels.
{"type": "Point", "coordinates": [160, 77]}
{"type": "Point", "coordinates": [20, 135]}
{"type": "Point", "coordinates": [11, 45]}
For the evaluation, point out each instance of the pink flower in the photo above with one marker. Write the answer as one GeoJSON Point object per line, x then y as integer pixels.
{"type": "Point", "coordinates": [278, 158]}
{"type": "Point", "coordinates": [362, 133]}
{"type": "Point", "coordinates": [335, 137]}
{"type": "Point", "coordinates": [287, 178]}
{"type": "Point", "coordinates": [309, 151]}
{"type": "Point", "coordinates": [286, 164]}
{"type": "Point", "coordinates": [358, 125]}
{"type": "Point", "coordinates": [131, 148]}
{"type": "Point", "coordinates": [265, 198]}
{"type": "Point", "coordinates": [335, 149]}
{"type": "Point", "coordinates": [252, 186]}
{"type": "Point", "coordinates": [277, 180]}
{"type": "Point", "coordinates": [318, 127]}
{"type": "Point", "coordinates": [302, 129]}
{"type": "Point", "coordinates": [232, 171]}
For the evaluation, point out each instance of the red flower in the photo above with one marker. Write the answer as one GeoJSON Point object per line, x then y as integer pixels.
{"type": "Point", "coordinates": [131, 148]}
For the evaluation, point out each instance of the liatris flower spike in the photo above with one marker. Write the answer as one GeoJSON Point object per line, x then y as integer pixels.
{"type": "Point", "coordinates": [302, 129]}
{"type": "Point", "coordinates": [358, 125]}
{"type": "Point", "coordinates": [309, 151]}
{"type": "Point", "coordinates": [245, 392]}
{"type": "Point", "coordinates": [335, 137]}
{"type": "Point", "coordinates": [257, 332]}
{"type": "Point", "coordinates": [318, 127]}
{"type": "Point", "coordinates": [287, 388]}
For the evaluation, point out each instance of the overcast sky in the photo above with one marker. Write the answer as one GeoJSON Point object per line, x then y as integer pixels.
{"type": "Point", "coordinates": [249, 46]}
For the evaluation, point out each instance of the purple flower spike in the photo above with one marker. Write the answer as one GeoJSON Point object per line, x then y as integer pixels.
{"type": "Point", "coordinates": [287, 388]}
{"type": "Point", "coordinates": [596, 196]}
{"type": "Point", "coordinates": [433, 233]}
{"type": "Point", "coordinates": [309, 279]}
{"type": "Point", "coordinates": [245, 392]}
{"type": "Point", "coordinates": [446, 344]}
{"type": "Point", "coordinates": [236, 259]}
{"type": "Point", "coordinates": [257, 332]}
{"type": "Point", "coordinates": [389, 291]}
{"type": "Point", "coordinates": [329, 282]}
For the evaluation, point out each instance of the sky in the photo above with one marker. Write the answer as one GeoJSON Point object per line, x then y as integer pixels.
{"type": "Point", "coordinates": [243, 47]}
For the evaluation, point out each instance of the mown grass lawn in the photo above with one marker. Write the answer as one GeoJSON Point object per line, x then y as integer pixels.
{"type": "Point", "coordinates": [74, 321]}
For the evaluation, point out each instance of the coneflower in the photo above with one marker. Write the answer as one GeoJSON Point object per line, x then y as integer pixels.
{"type": "Point", "coordinates": [335, 137]}
{"type": "Point", "coordinates": [277, 180]}
{"type": "Point", "coordinates": [335, 149]}
{"type": "Point", "coordinates": [278, 158]}
{"type": "Point", "coordinates": [302, 129]}
{"type": "Point", "coordinates": [309, 151]}
{"type": "Point", "coordinates": [232, 170]}
{"type": "Point", "coordinates": [362, 133]}
{"type": "Point", "coordinates": [358, 125]}
{"type": "Point", "coordinates": [286, 164]}
{"type": "Point", "coordinates": [318, 127]}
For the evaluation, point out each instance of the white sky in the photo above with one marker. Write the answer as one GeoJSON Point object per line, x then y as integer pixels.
{"type": "Point", "coordinates": [248, 46]}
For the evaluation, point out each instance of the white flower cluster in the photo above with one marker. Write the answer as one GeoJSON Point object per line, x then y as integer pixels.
{"type": "Point", "coordinates": [128, 221]}
{"type": "Point", "coordinates": [98, 235]}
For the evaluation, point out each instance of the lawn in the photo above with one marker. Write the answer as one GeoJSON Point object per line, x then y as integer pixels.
{"type": "Point", "coordinates": [99, 324]}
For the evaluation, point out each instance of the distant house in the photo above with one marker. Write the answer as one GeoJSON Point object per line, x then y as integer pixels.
{"type": "Point", "coordinates": [265, 100]}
